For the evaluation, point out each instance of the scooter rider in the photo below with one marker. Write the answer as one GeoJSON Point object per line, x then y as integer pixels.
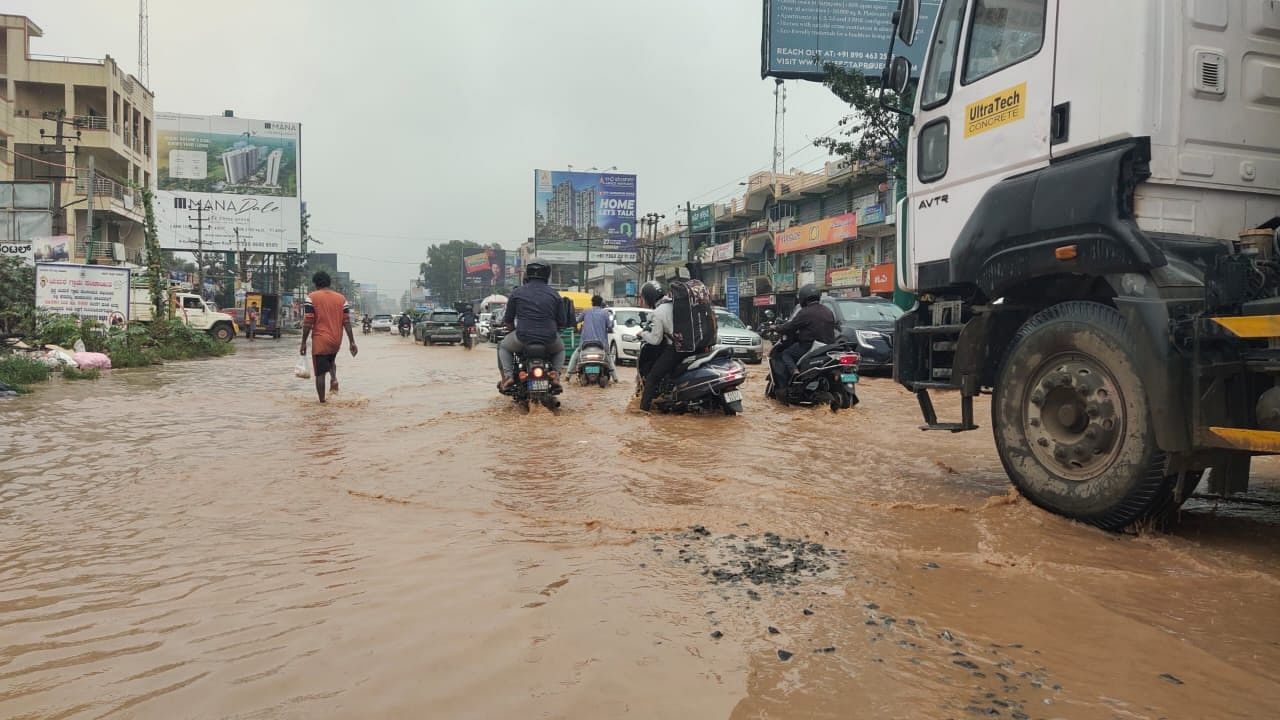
{"type": "Point", "coordinates": [404, 322]}
{"type": "Point", "coordinates": [367, 323]}
{"type": "Point", "coordinates": [596, 326]}
{"type": "Point", "coordinates": [813, 323]}
{"type": "Point", "coordinates": [658, 338]}
{"type": "Point", "coordinates": [534, 311]}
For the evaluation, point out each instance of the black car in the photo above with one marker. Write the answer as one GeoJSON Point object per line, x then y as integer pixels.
{"type": "Point", "coordinates": [867, 322]}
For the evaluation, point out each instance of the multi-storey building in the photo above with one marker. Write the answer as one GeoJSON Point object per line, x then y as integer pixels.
{"type": "Point", "coordinates": [239, 163]}
{"type": "Point", "coordinates": [101, 113]}
{"type": "Point", "coordinates": [273, 168]}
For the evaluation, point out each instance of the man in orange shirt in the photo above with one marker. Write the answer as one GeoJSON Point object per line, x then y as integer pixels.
{"type": "Point", "coordinates": [326, 315]}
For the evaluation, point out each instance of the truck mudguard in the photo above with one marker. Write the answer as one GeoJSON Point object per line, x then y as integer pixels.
{"type": "Point", "coordinates": [1085, 200]}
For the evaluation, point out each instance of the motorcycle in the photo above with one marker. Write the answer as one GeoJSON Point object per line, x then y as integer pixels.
{"type": "Point", "coordinates": [404, 331]}
{"type": "Point", "coordinates": [769, 328]}
{"type": "Point", "coordinates": [593, 365]}
{"type": "Point", "coordinates": [468, 337]}
{"type": "Point", "coordinates": [706, 381]}
{"type": "Point", "coordinates": [366, 327]}
{"type": "Point", "coordinates": [533, 379]}
{"type": "Point", "coordinates": [826, 375]}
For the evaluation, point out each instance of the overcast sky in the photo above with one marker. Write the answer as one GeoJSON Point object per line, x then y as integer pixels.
{"type": "Point", "coordinates": [424, 121]}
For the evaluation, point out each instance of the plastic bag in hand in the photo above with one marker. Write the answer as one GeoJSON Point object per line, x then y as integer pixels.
{"type": "Point", "coordinates": [302, 369]}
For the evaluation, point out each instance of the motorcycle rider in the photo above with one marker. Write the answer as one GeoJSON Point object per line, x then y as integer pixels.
{"type": "Point", "coordinates": [367, 323]}
{"type": "Point", "coordinates": [596, 326]}
{"type": "Point", "coordinates": [534, 311]}
{"type": "Point", "coordinates": [468, 321]}
{"type": "Point", "coordinates": [660, 343]}
{"type": "Point", "coordinates": [813, 323]}
{"type": "Point", "coordinates": [404, 323]}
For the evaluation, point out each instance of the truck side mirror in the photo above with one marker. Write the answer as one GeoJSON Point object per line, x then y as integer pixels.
{"type": "Point", "coordinates": [907, 18]}
{"type": "Point", "coordinates": [899, 75]}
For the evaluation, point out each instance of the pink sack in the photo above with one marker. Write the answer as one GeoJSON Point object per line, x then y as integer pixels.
{"type": "Point", "coordinates": [92, 360]}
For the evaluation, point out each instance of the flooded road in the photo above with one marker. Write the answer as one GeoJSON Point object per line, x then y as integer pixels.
{"type": "Point", "coordinates": [203, 540]}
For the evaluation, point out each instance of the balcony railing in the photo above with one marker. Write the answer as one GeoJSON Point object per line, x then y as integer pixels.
{"type": "Point", "coordinates": [90, 122]}
{"type": "Point", "coordinates": [106, 187]}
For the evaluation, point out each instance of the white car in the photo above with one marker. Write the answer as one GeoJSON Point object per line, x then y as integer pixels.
{"type": "Point", "coordinates": [624, 341]}
{"type": "Point", "coordinates": [381, 323]}
{"type": "Point", "coordinates": [483, 321]}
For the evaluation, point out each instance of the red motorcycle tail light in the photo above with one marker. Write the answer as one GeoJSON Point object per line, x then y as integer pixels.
{"type": "Point", "coordinates": [849, 359]}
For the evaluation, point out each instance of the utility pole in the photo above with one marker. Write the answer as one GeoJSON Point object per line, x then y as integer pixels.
{"type": "Point", "coordinates": [58, 119]}
{"type": "Point", "coordinates": [688, 214]}
{"type": "Point", "coordinates": [199, 228]}
{"type": "Point", "coordinates": [88, 252]}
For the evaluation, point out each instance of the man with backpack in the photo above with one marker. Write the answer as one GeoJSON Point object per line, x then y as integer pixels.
{"type": "Point", "coordinates": [683, 324]}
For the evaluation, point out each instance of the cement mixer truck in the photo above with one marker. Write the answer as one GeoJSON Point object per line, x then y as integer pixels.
{"type": "Point", "coordinates": [1089, 228]}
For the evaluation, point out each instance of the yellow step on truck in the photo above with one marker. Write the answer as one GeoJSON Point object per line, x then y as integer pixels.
{"type": "Point", "coordinates": [1093, 192]}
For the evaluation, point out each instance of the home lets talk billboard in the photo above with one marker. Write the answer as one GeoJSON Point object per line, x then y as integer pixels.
{"type": "Point", "coordinates": [236, 177]}
{"type": "Point", "coordinates": [584, 216]}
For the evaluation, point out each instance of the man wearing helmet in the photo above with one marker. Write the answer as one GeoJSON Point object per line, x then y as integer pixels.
{"type": "Point", "coordinates": [659, 338]}
{"type": "Point", "coordinates": [813, 323]}
{"type": "Point", "coordinates": [534, 311]}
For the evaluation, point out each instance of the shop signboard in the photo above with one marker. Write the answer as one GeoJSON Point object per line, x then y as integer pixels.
{"type": "Point", "coordinates": [784, 282]}
{"type": "Point", "coordinates": [731, 297]}
{"type": "Point", "coordinates": [703, 217]}
{"type": "Point", "coordinates": [871, 215]}
{"type": "Point", "coordinates": [746, 287]}
{"type": "Point", "coordinates": [763, 300]}
{"type": "Point", "coordinates": [828, 231]}
{"type": "Point", "coordinates": [881, 278]}
{"type": "Point", "coordinates": [844, 277]}
{"type": "Point", "coordinates": [722, 252]}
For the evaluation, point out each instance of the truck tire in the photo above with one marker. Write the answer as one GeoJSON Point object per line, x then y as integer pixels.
{"type": "Point", "coordinates": [1072, 419]}
{"type": "Point", "coordinates": [222, 332]}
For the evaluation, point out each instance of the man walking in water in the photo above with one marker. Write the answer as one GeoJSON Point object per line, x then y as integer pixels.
{"type": "Point", "coordinates": [326, 315]}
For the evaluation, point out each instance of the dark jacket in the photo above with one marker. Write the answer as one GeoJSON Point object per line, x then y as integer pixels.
{"type": "Point", "coordinates": [534, 310]}
{"type": "Point", "coordinates": [814, 323]}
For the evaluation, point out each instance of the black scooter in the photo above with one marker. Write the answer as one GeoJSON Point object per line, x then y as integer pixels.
{"type": "Point", "coordinates": [826, 375]}
{"type": "Point", "coordinates": [706, 381]}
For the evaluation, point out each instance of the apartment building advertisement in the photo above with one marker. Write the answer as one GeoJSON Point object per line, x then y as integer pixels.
{"type": "Point", "coordinates": [237, 177]}
{"type": "Point", "coordinates": [584, 216]}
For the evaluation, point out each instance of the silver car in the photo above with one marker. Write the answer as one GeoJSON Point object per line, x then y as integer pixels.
{"type": "Point", "coordinates": [733, 334]}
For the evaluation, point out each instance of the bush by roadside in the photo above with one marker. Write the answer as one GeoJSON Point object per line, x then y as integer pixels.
{"type": "Point", "coordinates": [21, 371]}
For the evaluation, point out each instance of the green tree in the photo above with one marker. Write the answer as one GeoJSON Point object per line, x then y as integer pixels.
{"type": "Point", "coordinates": [442, 273]}
{"type": "Point", "coordinates": [870, 133]}
{"type": "Point", "coordinates": [155, 258]}
{"type": "Point", "coordinates": [17, 297]}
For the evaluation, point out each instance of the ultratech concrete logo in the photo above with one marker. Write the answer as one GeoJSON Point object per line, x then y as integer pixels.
{"type": "Point", "coordinates": [995, 110]}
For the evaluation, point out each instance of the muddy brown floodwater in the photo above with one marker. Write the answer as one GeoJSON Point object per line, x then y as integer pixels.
{"type": "Point", "coordinates": [203, 540]}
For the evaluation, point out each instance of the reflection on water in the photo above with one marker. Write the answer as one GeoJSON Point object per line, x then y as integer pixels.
{"type": "Point", "coordinates": [205, 540]}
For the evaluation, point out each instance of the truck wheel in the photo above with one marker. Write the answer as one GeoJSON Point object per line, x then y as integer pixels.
{"type": "Point", "coordinates": [1072, 420]}
{"type": "Point", "coordinates": [222, 333]}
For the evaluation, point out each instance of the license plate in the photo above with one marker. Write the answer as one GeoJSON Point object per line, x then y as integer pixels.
{"type": "Point", "coordinates": [539, 385]}
{"type": "Point", "coordinates": [733, 396]}
{"type": "Point", "coordinates": [593, 370]}
{"type": "Point", "coordinates": [849, 377]}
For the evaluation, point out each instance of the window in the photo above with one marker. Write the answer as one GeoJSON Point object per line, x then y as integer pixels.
{"type": "Point", "coordinates": [190, 303]}
{"type": "Point", "coordinates": [1002, 33]}
{"type": "Point", "coordinates": [934, 151]}
{"type": "Point", "coordinates": [941, 64]}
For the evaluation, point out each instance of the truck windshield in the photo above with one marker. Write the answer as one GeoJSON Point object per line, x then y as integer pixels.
{"type": "Point", "coordinates": [940, 65]}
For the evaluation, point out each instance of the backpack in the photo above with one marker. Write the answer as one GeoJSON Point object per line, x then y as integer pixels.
{"type": "Point", "coordinates": [694, 319]}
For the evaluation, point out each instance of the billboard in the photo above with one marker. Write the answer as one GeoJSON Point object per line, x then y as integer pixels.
{"type": "Point", "coordinates": [87, 291]}
{"type": "Point", "coordinates": [584, 216]}
{"type": "Point", "coordinates": [241, 175]}
{"type": "Point", "coordinates": [800, 36]}
{"type": "Point", "coordinates": [477, 263]}
{"type": "Point", "coordinates": [829, 231]}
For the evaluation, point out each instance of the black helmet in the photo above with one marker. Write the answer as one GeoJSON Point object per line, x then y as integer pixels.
{"type": "Point", "coordinates": [809, 294]}
{"type": "Point", "coordinates": [652, 293]}
{"type": "Point", "coordinates": [535, 269]}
